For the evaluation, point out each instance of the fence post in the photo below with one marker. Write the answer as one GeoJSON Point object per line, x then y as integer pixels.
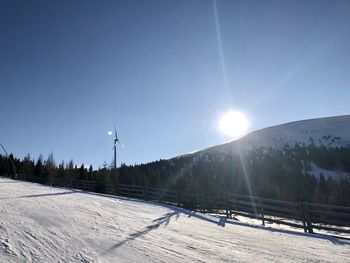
{"type": "Point", "coordinates": [226, 205]}
{"type": "Point", "coordinates": [303, 216]}
{"type": "Point", "coordinates": [178, 197]}
{"type": "Point", "coordinates": [204, 202]}
{"type": "Point", "coordinates": [160, 194]}
{"type": "Point", "coordinates": [201, 203]}
{"type": "Point", "coordinates": [306, 218]}
{"type": "Point", "coordinates": [262, 211]}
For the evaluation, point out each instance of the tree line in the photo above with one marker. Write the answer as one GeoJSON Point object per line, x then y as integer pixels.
{"type": "Point", "coordinates": [286, 173]}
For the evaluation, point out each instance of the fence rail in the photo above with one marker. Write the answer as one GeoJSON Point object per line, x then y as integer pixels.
{"type": "Point", "coordinates": [308, 216]}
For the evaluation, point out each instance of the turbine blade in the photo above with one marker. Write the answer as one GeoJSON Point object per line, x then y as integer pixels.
{"type": "Point", "coordinates": [115, 132]}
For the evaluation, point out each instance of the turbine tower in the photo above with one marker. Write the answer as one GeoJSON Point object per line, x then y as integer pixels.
{"type": "Point", "coordinates": [116, 140]}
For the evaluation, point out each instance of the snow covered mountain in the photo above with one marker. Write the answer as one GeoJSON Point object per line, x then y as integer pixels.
{"type": "Point", "coordinates": [327, 135]}
{"type": "Point", "coordinates": [330, 132]}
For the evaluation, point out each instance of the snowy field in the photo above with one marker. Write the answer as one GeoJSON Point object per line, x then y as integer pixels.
{"type": "Point", "coordinates": [43, 224]}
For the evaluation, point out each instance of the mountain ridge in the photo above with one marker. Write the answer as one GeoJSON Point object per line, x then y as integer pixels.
{"type": "Point", "coordinates": [304, 129]}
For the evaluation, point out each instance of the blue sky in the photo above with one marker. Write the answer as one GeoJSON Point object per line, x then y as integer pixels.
{"type": "Point", "coordinates": [164, 72]}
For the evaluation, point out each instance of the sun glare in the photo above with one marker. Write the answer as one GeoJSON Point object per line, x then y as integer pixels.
{"type": "Point", "coordinates": [234, 124]}
{"type": "Point", "coordinates": [110, 133]}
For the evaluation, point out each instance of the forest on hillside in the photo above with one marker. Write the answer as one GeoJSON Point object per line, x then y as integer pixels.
{"type": "Point", "coordinates": [285, 173]}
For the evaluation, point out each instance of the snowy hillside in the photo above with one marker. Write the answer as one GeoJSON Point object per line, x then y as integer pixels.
{"type": "Point", "coordinates": [330, 131]}
{"type": "Point", "coordinates": [43, 224]}
{"type": "Point", "coordinates": [323, 133]}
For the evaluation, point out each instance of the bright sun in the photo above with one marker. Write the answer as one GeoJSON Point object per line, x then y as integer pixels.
{"type": "Point", "coordinates": [234, 124]}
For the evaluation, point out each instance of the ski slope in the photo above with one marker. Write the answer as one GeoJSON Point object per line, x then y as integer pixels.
{"type": "Point", "coordinates": [44, 224]}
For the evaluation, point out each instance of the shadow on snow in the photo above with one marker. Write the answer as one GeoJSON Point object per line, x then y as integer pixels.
{"type": "Point", "coordinates": [156, 223]}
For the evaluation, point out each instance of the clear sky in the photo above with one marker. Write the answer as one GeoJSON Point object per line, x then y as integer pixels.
{"type": "Point", "coordinates": [164, 72]}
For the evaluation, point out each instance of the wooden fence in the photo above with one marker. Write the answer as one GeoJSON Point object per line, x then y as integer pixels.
{"type": "Point", "coordinates": [135, 191]}
{"type": "Point", "coordinates": [308, 216]}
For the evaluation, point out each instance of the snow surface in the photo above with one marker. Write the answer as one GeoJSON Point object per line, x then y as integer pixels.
{"type": "Point", "coordinates": [43, 224]}
{"type": "Point", "coordinates": [317, 171]}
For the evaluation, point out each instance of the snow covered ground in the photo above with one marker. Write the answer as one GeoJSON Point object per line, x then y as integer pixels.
{"type": "Point", "coordinates": [43, 224]}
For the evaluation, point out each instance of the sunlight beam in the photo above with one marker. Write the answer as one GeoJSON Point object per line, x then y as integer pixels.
{"type": "Point", "coordinates": [221, 52]}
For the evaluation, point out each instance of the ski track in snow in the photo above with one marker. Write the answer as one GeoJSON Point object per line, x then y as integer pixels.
{"type": "Point", "coordinates": [44, 224]}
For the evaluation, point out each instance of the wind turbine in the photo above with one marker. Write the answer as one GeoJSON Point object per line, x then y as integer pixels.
{"type": "Point", "coordinates": [116, 141]}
